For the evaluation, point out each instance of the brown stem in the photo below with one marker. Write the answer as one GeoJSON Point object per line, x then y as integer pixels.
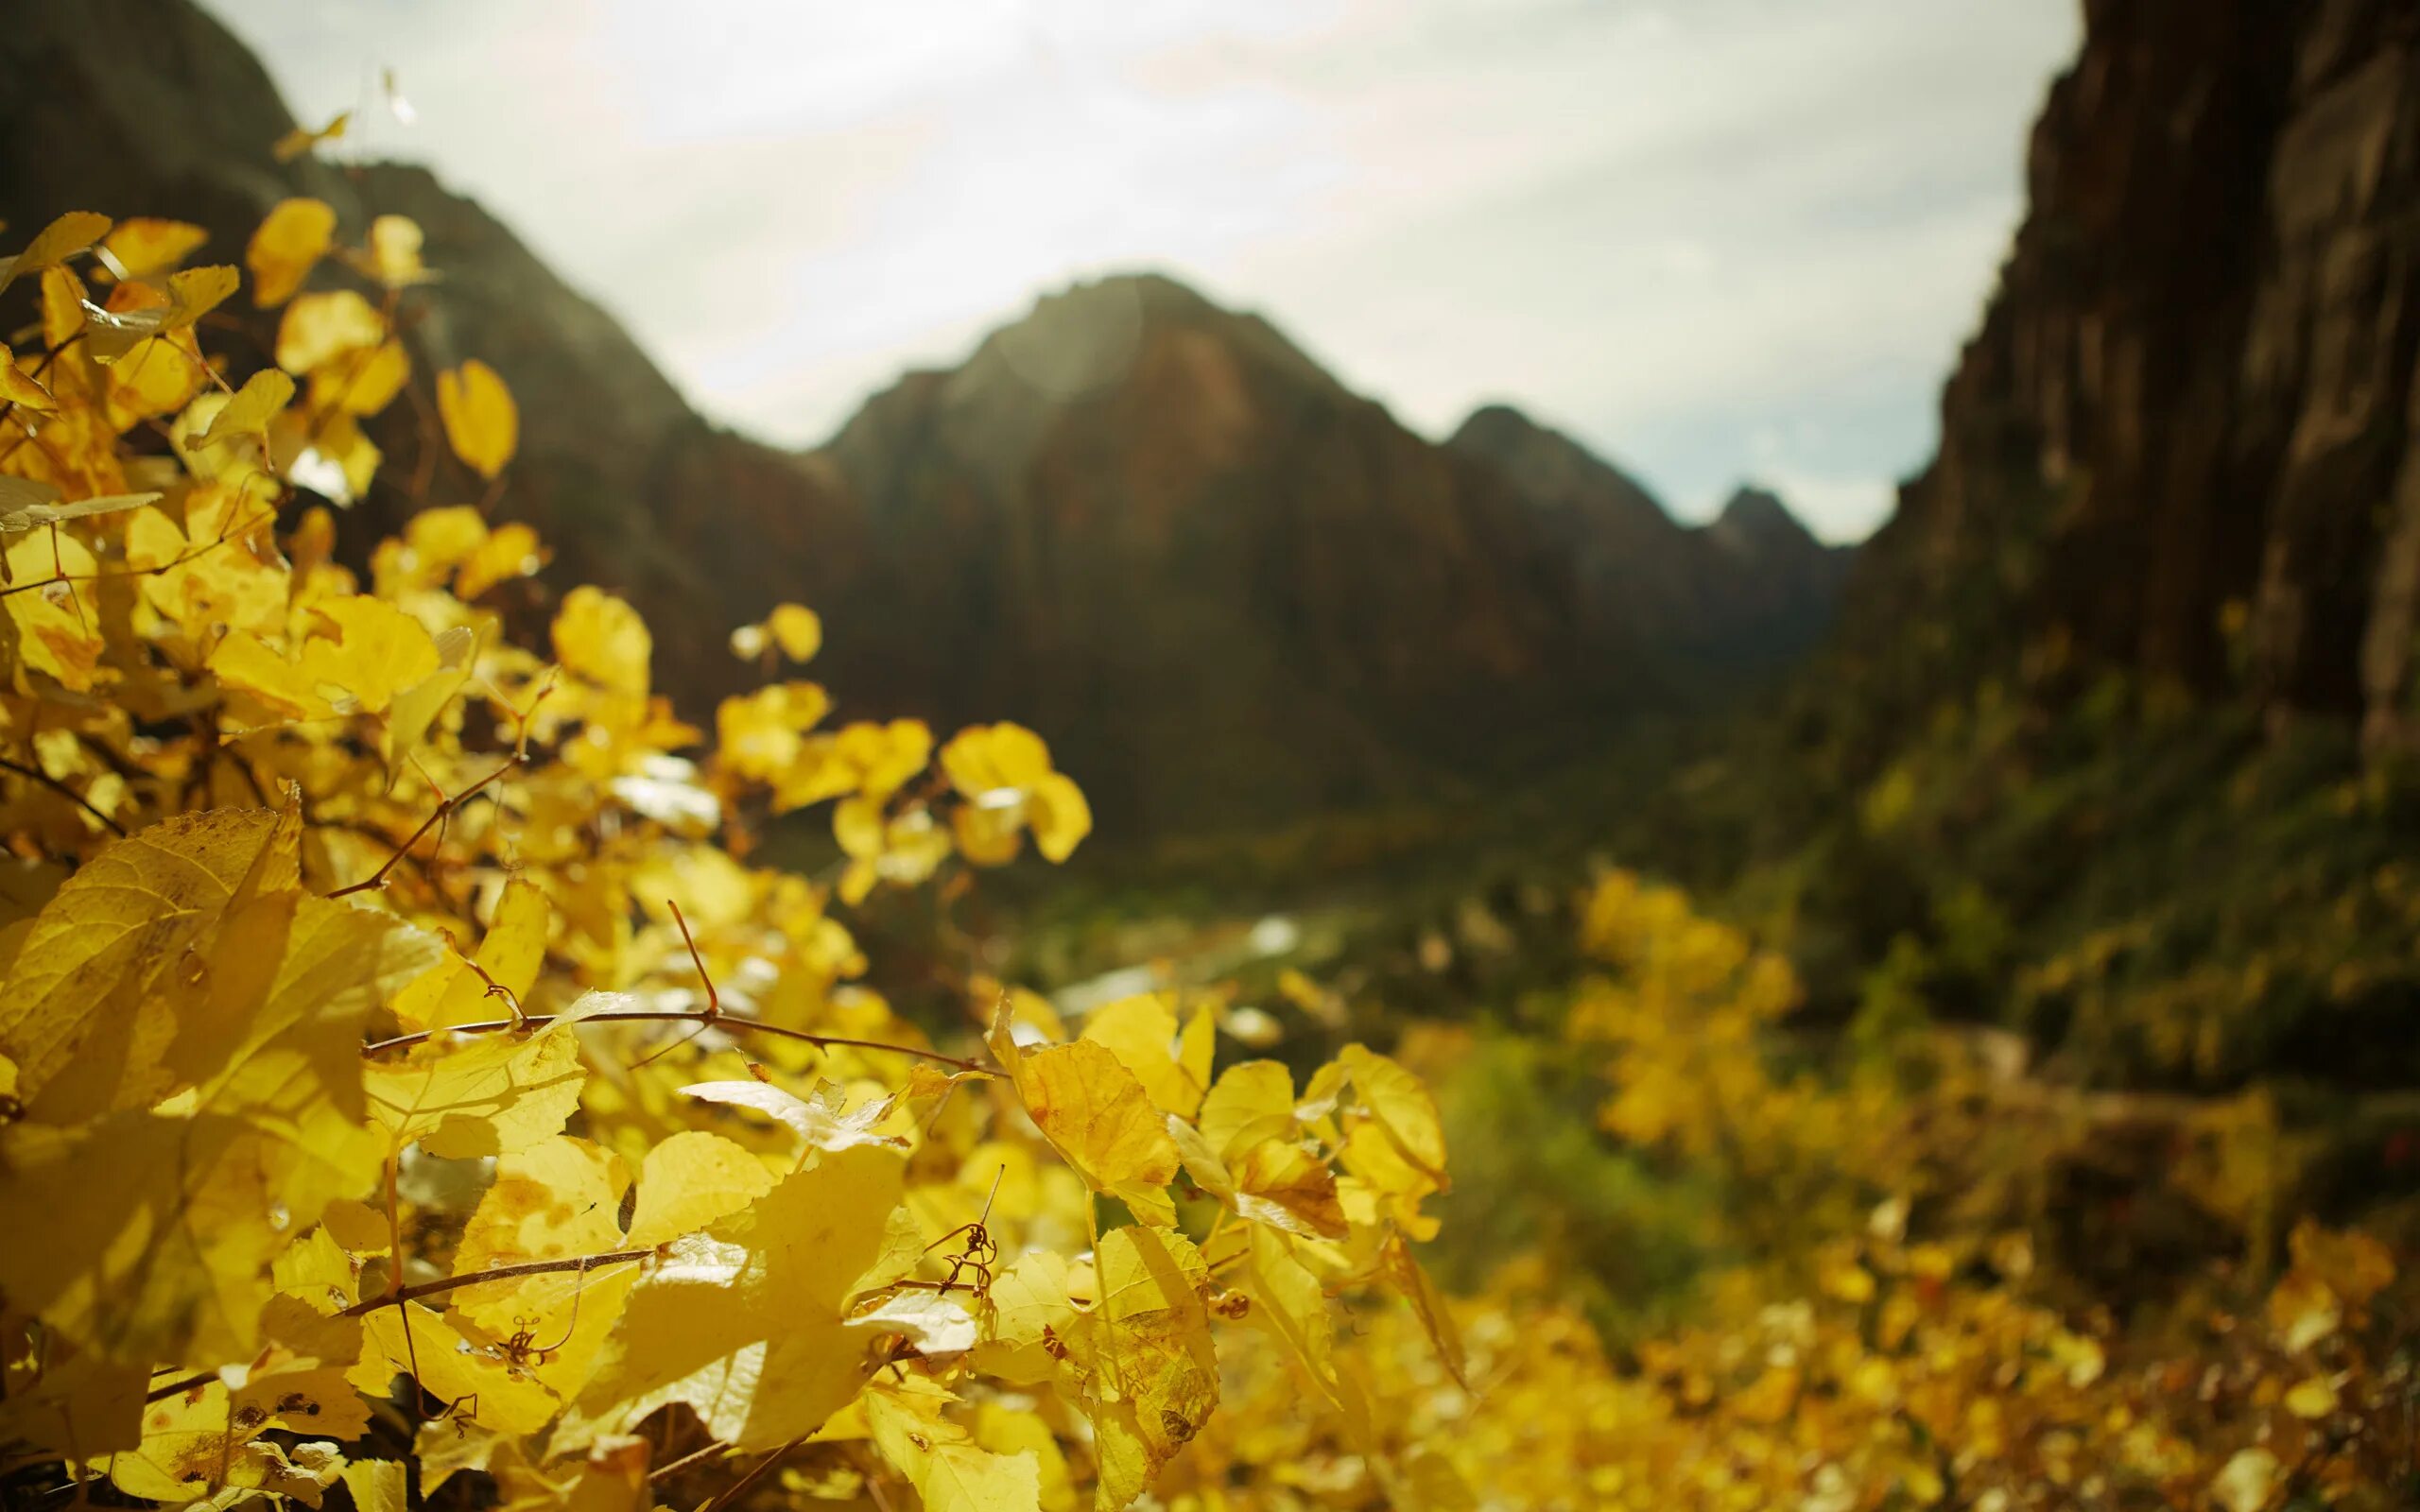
{"type": "Point", "coordinates": [501, 1273]}
{"type": "Point", "coordinates": [444, 807]}
{"type": "Point", "coordinates": [725, 1020]}
{"type": "Point", "coordinates": [37, 774]}
{"type": "Point", "coordinates": [675, 1466]}
{"type": "Point", "coordinates": [762, 1467]}
{"type": "Point", "coordinates": [435, 1288]}
{"type": "Point", "coordinates": [178, 561]}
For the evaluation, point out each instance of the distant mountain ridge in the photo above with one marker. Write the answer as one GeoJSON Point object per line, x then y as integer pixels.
{"type": "Point", "coordinates": [1748, 591]}
{"type": "Point", "coordinates": [1230, 590]}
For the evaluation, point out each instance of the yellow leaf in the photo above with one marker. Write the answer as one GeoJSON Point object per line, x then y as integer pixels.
{"type": "Point", "coordinates": [459, 1364]}
{"type": "Point", "coordinates": [484, 1094]}
{"type": "Point", "coordinates": [361, 653]}
{"type": "Point", "coordinates": [689, 1181]}
{"type": "Point", "coordinates": [394, 252]}
{"type": "Point", "coordinates": [18, 387]}
{"type": "Point", "coordinates": [57, 629]}
{"type": "Point", "coordinates": [510, 953]}
{"type": "Point", "coordinates": [984, 760]}
{"type": "Point", "coordinates": [265, 394]}
{"type": "Point", "coordinates": [1250, 1102]}
{"type": "Point", "coordinates": [824, 1118]}
{"type": "Point", "coordinates": [364, 382]}
{"type": "Point", "coordinates": [556, 1198]}
{"type": "Point", "coordinates": [82, 1407]}
{"type": "Point", "coordinates": [1142, 1032]}
{"type": "Point", "coordinates": [1149, 1343]}
{"type": "Point", "coordinates": [510, 551]}
{"type": "Point", "coordinates": [948, 1469]}
{"type": "Point", "coordinates": [763, 734]}
{"type": "Point", "coordinates": [1279, 1182]}
{"type": "Point", "coordinates": [1029, 1313]}
{"type": "Point", "coordinates": [2311, 1399]}
{"type": "Point", "coordinates": [1426, 1303]}
{"type": "Point", "coordinates": [420, 709]}
{"type": "Point", "coordinates": [2247, 1482]}
{"type": "Point", "coordinates": [209, 1438]}
{"type": "Point", "coordinates": [144, 247]}
{"type": "Point", "coordinates": [162, 1224]}
{"type": "Point", "coordinates": [290, 243]}
{"type": "Point", "coordinates": [481, 422]}
{"type": "Point", "coordinates": [62, 306]}
{"type": "Point", "coordinates": [57, 242]}
{"type": "Point", "coordinates": [157, 376]}
{"type": "Point", "coordinates": [299, 141]}
{"type": "Point", "coordinates": [1401, 1105]}
{"type": "Point", "coordinates": [1060, 816]}
{"type": "Point", "coordinates": [125, 918]}
{"type": "Point", "coordinates": [745, 1321]}
{"type": "Point", "coordinates": [377, 1484]}
{"type": "Point", "coordinates": [196, 292]}
{"type": "Point", "coordinates": [319, 329]}
{"type": "Point", "coordinates": [797, 631]}
{"type": "Point", "coordinates": [602, 639]}
{"type": "Point", "coordinates": [1096, 1114]}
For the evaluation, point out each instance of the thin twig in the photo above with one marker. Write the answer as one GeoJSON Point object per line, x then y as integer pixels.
{"type": "Point", "coordinates": [178, 561]}
{"type": "Point", "coordinates": [501, 1273]}
{"type": "Point", "coordinates": [725, 1020]}
{"type": "Point", "coordinates": [675, 1466]}
{"type": "Point", "coordinates": [37, 774]}
{"type": "Point", "coordinates": [444, 807]}
{"type": "Point", "coordinates": [764, 1466]}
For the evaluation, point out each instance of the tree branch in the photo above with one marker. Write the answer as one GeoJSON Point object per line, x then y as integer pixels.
{"type": "Point", "coordinates": [37, 774]}
{"type": "Point", "coordinates": [725, 1020]}
{"type": "Point", "coordinates": [444, 807]}
{"type": "Point", "coordinates": [501, 1273]}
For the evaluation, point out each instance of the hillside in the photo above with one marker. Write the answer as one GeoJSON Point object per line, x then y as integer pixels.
{"type": "Point", "coordinates": [2111, 746]}
{"type": "Point", "coordinates": [2180, 438]}
{"type": "Point", "coordinates": [1234, 593]}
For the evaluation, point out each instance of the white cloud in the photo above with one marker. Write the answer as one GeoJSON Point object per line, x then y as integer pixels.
{"type": "Point", "coordinates": [1669, 227]}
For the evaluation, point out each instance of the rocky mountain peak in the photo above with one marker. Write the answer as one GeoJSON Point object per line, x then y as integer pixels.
{"type": "Point", "coordinates": [1754, 518]}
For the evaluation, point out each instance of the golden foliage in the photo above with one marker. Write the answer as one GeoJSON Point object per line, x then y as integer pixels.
{"type": "Point", "coordinates": [362, 1056]}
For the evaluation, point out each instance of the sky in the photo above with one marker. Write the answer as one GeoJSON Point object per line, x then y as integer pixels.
{"type": "Point", "coordinates": [1715, 240]}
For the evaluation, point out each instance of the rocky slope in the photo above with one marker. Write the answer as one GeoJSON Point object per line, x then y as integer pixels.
{"type": "Point", "coordinates": [1230, 590]}
{"type": "Point", "coordinates": [2182, 437]}
{"type": "Point", "coordinates": [1157, 528]}
{"type": "Point", "coordinates": [1743, 595]}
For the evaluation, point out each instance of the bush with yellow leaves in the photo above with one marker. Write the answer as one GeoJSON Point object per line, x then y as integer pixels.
{"type": "Point", "coordinates": [401, 1087]}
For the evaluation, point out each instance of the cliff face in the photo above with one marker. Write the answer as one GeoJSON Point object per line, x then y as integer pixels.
{"type": "Point", "coordinates": [2187, 416]}
{"type": "Point", "coordinates": [1229, 590]}
{"type": "Point", "coordinates": [1743, 595]}
{"type": "Point", "coordinates": [1154, 528]}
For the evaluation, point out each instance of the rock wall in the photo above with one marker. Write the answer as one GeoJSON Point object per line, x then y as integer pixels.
{"type": "Point", "coordinates": [2183, 438]}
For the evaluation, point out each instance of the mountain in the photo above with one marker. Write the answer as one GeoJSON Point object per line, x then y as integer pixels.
{"type": "Point", "coordinates": [1230, 591]}
{"type": "Point", "coordinates": [1747, 594]}
{"type": "Point", "coordinates": [2110, 747]}
{"type": "Point", "coordinates": [2182, 440]}
{"type": "Point", "coordinates": [1158, 529]}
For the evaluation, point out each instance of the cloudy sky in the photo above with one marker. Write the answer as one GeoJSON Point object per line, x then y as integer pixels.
{"type": "Point", "coordinates": [1712, 238]}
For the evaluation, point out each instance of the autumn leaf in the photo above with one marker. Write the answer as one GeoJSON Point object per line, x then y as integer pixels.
{"type": "Point", "coordinates": [59, 240]}
{"type": "Point", "coordinates": [1096, 1115]}
{"type": "Point", "coordinates": [482, 424]}
{"type": "Point", "coordinates": [948, 1468]}
{"type": "Point", "coordinates": [745, 1321]}
{"type": "Point", "coordinates": [1149, 1344]}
